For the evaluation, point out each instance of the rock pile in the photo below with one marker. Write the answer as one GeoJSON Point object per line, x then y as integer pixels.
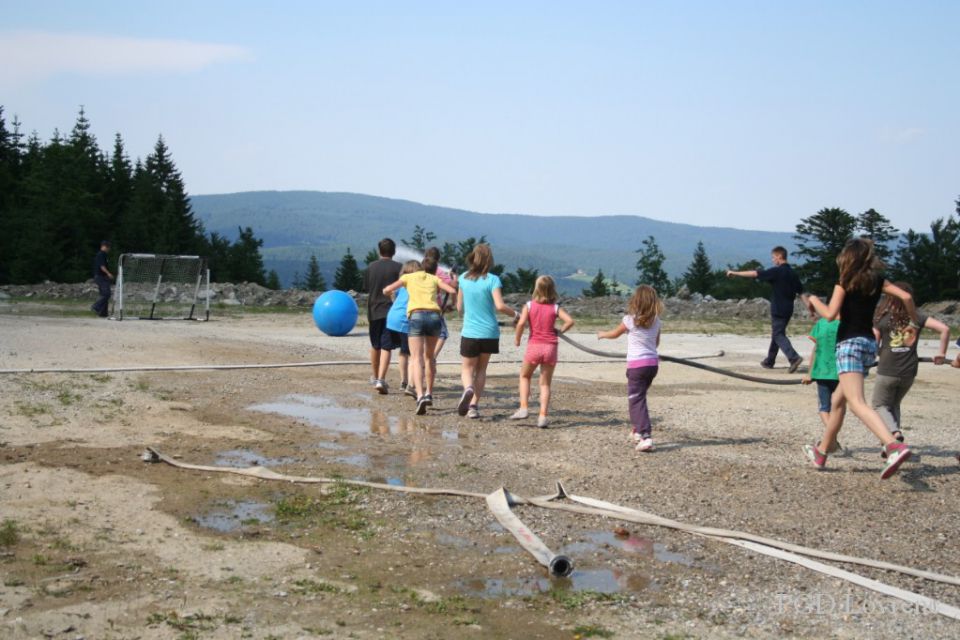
{"type": "Point", "coordinates": [685, 305]}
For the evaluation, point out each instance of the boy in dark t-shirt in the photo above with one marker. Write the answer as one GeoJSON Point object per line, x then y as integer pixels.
{"type": "Point", "coordinates": [786, 287]}
{"type": "Point", "coordinates": [379, 274]}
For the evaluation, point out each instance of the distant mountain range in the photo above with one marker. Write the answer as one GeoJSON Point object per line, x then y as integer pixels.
{"type": "Point", "coordinates": [296, 224]}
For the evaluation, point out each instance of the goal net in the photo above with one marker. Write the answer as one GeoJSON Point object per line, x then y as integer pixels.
{"type": "Point", "coordinates": [159, 287]}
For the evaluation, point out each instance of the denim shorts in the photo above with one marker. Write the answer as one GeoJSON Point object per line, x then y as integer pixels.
{"type": "Point", "coordinates": [444, 334]}
{"type": "Point", "coordinates": [855, 355]}
{"type": "Point", "coordinates": [424, 324]}
{"type": "Point", "coordinates": [825, 389]}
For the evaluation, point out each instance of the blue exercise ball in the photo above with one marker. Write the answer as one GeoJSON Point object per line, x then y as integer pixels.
{"type": "Point", "coordinates": [335, 313]}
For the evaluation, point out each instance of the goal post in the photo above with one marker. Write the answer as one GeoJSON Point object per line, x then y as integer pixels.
{"type": "Point", "coordinates": [162, 287]}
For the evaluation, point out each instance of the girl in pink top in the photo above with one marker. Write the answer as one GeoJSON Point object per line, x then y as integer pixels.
{"type": "Point", "coordinates": [642, 327]}
{"type": "Point", "coordinates": [541, 314]}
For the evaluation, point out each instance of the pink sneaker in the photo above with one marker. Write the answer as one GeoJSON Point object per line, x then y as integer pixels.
{"type": "Point", "coordinates": [818, 459]}
{"type": "Point", "coordinates": [897, 454]}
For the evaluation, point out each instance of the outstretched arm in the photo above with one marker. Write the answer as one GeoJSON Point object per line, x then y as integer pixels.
{"type": "Point", "coordinates": [567, 320]}
{"type": "Point", "coordinates": [613, 334]}
{"type": "Point", "coordinates": [893, 290]}
{"type": "Point", "coordinates": [831, 311]}
{"type": "Point", "coordinates": [502, 306]}
{"type": "Point", "coordinates": [752, 273]}
{"type": "Point", "coordinates": [935, 325]}
{"type": "Point", "coordinates": [520, 325]}
{"type": "Point", "coordinates": [393, 286]}
{"type": "Point", "coordinates": [806, 379]}
{"type": "Point", "coordinates": [445, 287]}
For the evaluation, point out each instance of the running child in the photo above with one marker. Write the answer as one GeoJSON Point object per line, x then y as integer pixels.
{"type": "Point", "coordinates": [823, 370]}
{"type": "Point", "coordinates": [398, 324]}
{"type": "Point", "coordinates": [897, 360]}
{"type": "Point", "coordinates": [642, 326]}
{"type": "Point", "coordinates": [443, 301]}
{"type": "Point", "coordinates": [541, 313]}
{"type": "Point", "coordinates": [854, 300]}
{"type": "Point", "coordinates": [479, 298]}
{"type": "Point", "coordinates": [423, 315]}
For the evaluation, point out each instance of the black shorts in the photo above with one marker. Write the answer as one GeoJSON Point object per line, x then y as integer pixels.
{"type": "Point", "coordinates": [402, 340]}
{"type": "Point", "coordinates": [380, 336]}
{"type": "Point", "coordinates": [473, 347]}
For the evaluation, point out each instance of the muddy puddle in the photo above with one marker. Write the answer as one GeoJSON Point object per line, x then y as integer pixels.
{"type": "Point", "coordinates": [231, 515]}
{"type": "Point", "coordinates": [588, 552]}
{"type": "Point", "coordinates": [335, 420]}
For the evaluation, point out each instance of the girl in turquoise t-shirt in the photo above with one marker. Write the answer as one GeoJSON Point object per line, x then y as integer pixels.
{"type": "Point", "coordinates": [479, 298]}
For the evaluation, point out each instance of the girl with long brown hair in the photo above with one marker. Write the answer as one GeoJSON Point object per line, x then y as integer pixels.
{"type": "Point", "coordinates": [854, 301]}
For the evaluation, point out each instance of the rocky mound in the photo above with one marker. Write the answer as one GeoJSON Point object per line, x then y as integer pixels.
{"type": "Point", "coordinates": [684, 305]}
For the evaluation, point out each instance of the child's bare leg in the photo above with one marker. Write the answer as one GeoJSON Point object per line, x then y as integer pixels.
{"type": "Point", "coordinates": [384, 365]}
{"type": "Point", "coordinates": [468, 371]}
{"type": "Point", "coordinates": [480, 377]}
{"type": "Point", "coordinates": [430, 363]}
{"type": "Point", "coordinates": [838, 404]}
{"type": "Point", "coordinates": [546, 377]}
{"type": "Point", "coordinates": [404, 361]}
{"type": "Point", "coordinates": [526, 373]}
{"type": "Point", "coordinates": [852, 385]}
{"type": "Point", "coordinates": [416, 364]}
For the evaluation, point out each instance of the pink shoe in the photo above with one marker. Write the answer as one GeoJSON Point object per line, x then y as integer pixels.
{"type": "Point", "coordinates": [897, 454]}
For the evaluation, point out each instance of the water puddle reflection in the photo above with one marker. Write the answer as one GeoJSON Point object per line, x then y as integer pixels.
{"type": "Point", "coordinates": [320, 412]}
{"type": "Point", "coordinates": [229, 516]}
{"type": "Point", "coordinates": [246, 458]}
{"type": "Point", "coordinates": [593, 580]}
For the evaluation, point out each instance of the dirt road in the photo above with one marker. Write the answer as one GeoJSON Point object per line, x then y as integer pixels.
{"type": "Point", "coordinates": [96, 543]}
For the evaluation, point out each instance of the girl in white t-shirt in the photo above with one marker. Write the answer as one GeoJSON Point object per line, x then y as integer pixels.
{"type": "Point", "coordinates": [642, 326]}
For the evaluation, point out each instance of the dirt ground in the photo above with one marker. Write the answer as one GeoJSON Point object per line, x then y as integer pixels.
{"type": "Point", "coordinates": [96, 543]}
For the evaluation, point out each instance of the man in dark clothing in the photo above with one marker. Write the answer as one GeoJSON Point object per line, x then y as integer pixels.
{"type": "Point", "coordinates": [786, 287]}
{"type": "Point", "coordinates": [379, 274]}
{"type": "Point", "coordinates": [102, 276]}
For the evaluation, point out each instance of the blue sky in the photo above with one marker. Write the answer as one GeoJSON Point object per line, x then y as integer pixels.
{"type": "Point", "coordinates": [744, 114]}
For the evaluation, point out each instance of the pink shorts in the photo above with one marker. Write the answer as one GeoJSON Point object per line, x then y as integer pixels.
{"type": "Point", "coordinates": [541, 353]}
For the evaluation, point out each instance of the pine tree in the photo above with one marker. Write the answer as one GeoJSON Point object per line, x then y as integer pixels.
{"type": "Point", "coordinates": [598, 286]}
{"type": "Point", "coordinates": [273, 280]}
{"type": "Point", "coordinates": [246, 263]}
{"type": "Point", "coordinates": [420, 240]}
{"type": "Point", "coordinates": [820, 238]}
{"type": "Point", "coordinates": [119, 192]}
{"type": "Point", "coordinates": [725, 288]}
{"type": "Point", "coordinates": [348, 276]}
{"type": "Point", "coordinates": [314, 280]}
{"type": "Point", "coordinates": [10, 184]}
{"type": "Point", "coordinates": [650, 268]}
{"type": "Point", "coordinates": [877, 227]}
{"type": "Point", "coordinates": [699, 276]}
{"type": "Point", "coordinates": [931, 263]}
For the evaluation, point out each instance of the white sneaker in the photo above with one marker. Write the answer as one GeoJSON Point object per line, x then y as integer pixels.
{"type": "Point", "coordinates": [542, 422]}
{"type": "Point", "coordinates": [473, 413]}
{"type": "Point", "coordinates": [380, 386]}
{"type": "Point", "coordinates": [520, 414]}
{"type": "Point", "coordinates": [646, 444]}
{"type": "Point", "coordinates": [635, 437]}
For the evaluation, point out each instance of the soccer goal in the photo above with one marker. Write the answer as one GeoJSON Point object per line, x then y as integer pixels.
{"type": "Point", "coordinates": [158, 287]}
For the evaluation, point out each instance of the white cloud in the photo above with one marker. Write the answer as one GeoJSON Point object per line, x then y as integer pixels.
{"type": "Point", "coordinates": [903, 135]}
{"type": "Point", "coordinates": [35, 55]}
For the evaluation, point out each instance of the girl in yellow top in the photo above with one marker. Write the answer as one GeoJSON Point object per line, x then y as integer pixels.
{"type": "Point", "coordinates": [424, 318]}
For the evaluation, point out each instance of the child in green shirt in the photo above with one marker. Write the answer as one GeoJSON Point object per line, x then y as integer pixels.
{"type": "Point", "coordinates": [823, 368]}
